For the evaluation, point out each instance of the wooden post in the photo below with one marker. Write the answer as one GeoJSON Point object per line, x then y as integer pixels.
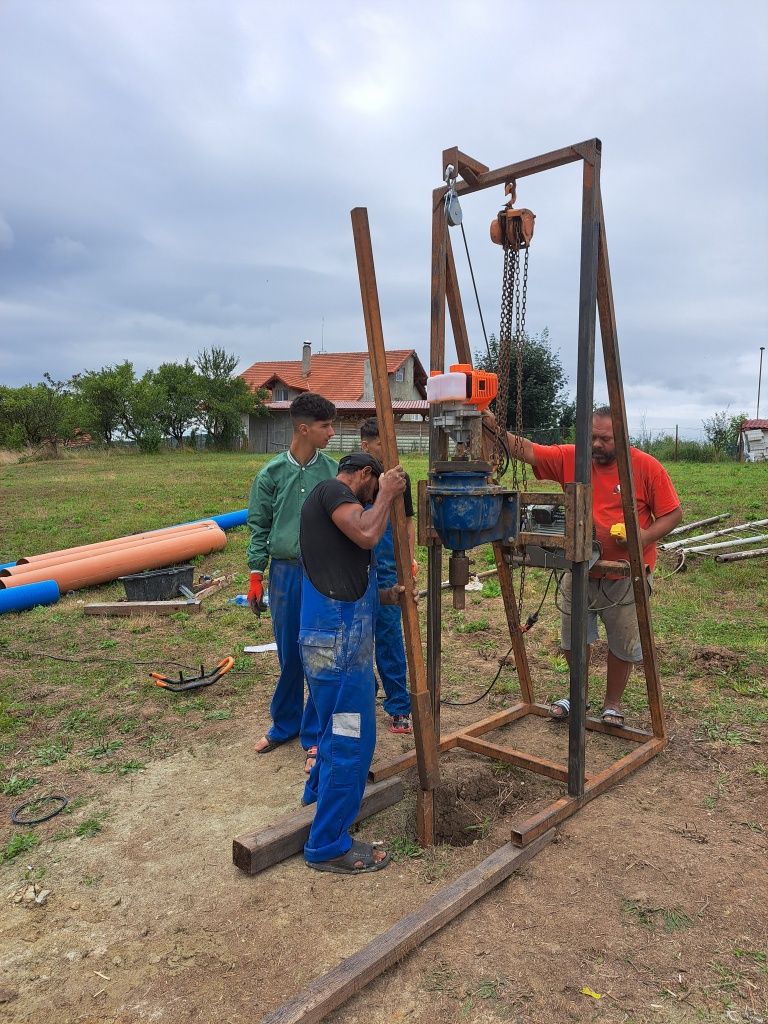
{"type": "Point", "coordinates": [585, 375]}
{"type": "Point", "coordinates": [609, 335]}
{"type": "Point", "coordinates": [424, 730]}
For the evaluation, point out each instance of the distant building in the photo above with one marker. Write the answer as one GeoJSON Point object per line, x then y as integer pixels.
{"type": "Point", "coordinates": [345, 379]}
{"type": "Point", "coordinates": [753, 440]}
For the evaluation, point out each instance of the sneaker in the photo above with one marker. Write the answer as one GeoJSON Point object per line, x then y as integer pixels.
{"type": "Point", "coordinates": [401, 724]}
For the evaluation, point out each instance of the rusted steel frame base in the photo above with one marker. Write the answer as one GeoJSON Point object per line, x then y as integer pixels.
{"type": "Point", "coordinates": [331, 990]}
{"type": "Point", "coordinates": [255, 851]}
{"type": "Point", "coordinates": [386, 770]}
{"type": "Point", "coordinates": [563, 808]}
{"type": "Point", "coordinates": [624, 732]}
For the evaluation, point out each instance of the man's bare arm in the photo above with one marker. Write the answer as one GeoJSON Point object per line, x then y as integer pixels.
{"type": "Point", "coordinates": [519, 447]}
{"type": "Point", "coordinates": [365, 527]}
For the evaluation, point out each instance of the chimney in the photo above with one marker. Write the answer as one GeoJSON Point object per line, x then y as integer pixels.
{"type": "Point", "coordinates": [306, 358]}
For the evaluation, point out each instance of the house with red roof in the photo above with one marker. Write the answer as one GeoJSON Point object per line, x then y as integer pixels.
{"type": "Point", "coordinates": [753, 440]}
{"type": "Point", "coordinates": [345, 379]}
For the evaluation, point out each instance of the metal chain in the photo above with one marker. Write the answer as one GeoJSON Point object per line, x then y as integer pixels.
{"type": "Point", "coordinates": [505, 336]}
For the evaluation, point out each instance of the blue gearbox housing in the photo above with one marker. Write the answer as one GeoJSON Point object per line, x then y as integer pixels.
{"type": "Point", "coordinates": [466, 510]}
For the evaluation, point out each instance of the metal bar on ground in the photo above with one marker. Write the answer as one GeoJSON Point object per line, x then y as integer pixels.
{"type": "Point", "coordinates": [539, 765]}
{"type": "Point", "coordinates": [737, 556]}
{"type": "Point", "coordinates": [333, 989]}
{"type": "Point", "coordinates": [699, 522]}
{"type": "Point", "coordinates": [715, 533]}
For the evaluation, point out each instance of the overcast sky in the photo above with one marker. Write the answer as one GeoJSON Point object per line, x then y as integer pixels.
{"type": "Point", "coordinates": [179, 173]}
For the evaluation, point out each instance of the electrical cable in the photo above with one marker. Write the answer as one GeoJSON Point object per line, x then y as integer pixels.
{"type": "Point", "coordinates": [477, 297]}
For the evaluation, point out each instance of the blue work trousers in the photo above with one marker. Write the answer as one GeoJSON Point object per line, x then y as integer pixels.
{"type": "Point", "coordinates": [390, 654]}
{"type": "Point", "coordinates": [290, 716]}
{"type": "Point", "coordinates": [336, 641]}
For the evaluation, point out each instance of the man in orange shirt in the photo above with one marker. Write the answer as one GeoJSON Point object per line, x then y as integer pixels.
{"type": "Point", "coordinates": [610, 597]}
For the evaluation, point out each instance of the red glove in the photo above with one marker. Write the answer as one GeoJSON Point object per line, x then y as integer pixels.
{"type": "Point", "coordinates": [414, 568]}
{"type": "Point", "coordinates": [256, 593]}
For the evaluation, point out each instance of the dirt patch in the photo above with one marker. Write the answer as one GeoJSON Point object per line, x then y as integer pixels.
{"type": "Point", "coordinates": [715, 659]}
{"type": "Point", "coordinates": [472, 798]}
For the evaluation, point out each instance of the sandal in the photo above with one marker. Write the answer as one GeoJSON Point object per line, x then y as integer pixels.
{"type": "Point", "coordinates": [358, 854]}
{"type": "Point", "coordinates": [612, 716]}
{"type": "Point", "coordinates": [563, 710]}
{"type": "Point", "coordinates": [310, 755]}
{"type": "Point", "coordinates": [271, 745]}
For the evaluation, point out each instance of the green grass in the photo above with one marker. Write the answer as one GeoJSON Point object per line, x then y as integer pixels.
{"type": "Point", "coordinates": [15, 786]}
{"type": "Point", "coordinates": [21, 842]}
{"type": "Point", "coordinates": [100, 713]}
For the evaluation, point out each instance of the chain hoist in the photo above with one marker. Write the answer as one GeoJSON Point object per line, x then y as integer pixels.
{"type": "Point", "coordinates": [513, 229]}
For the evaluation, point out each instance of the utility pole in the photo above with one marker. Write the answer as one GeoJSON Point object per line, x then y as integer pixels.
{"type": "Point", "coordinates": [759, 381]}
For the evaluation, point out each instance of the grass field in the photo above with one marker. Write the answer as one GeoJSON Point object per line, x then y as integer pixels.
{"type": "Point", "coordinates": [78, 714]}
{"type": "Point", "coordinates": [53, 714]}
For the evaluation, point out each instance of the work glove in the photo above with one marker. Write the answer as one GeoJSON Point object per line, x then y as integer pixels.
{"type": "Point", "coordinates": [414, 568]}
{"type": "Point", "coordinates": [256, 593]}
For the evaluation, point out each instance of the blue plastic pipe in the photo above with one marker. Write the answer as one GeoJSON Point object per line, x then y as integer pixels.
{"type": "Point", "coordinates": [229, 519]}
{"type": "Point", "coordinates": [19, 599]}
{"type": "Point", "coordinates": [7, 565]}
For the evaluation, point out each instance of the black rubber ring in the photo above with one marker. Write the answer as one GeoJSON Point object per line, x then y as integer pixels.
{"type": "Point", "coordinates": [63, 801]}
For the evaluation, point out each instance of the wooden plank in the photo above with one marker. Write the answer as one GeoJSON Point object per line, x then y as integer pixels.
{"type": "Point", "coordinates": [426, 534]}
{"type": "Point", "coordinates": [578, 522]}
{"type": "Point", "coordinates": [423, 723]}
{"type": "Point", "coordinates": [142, 607]}
{"type": "Point", "coordinates": [552, 540]}
{"type": "Point", "coordinates": [252, 852]}
{"type": "Point", "coordinates": [455, 306]}
{"type": "Point", "coordinates": [609, 335]}
{"type": "Point", "coordinates": [504, 571]}
{"type": "Point", "coordinates": [333, 989]}
{"type": "Point", "coordinates": [425, 817]}
{"type": "Point", "coordinates": [623, 732]}
{"type": "Point", "coordinates": [387, 769]}
{"type": "Point", "coordinates": [540, 765]}
{"type": "Point", "coordinates": [529, 830]}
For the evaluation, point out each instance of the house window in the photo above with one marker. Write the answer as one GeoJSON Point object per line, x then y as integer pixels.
{"type": "Point", "coordinates": [400, 375]}
{"type": "Point", "coordinates": [279, 394]}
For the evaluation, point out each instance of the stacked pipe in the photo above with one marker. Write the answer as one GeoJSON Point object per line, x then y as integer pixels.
{"type": "Point", "coordinates": [39, 579]}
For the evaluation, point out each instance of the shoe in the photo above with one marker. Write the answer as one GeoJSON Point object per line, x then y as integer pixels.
{"type": "Point", "coordinates": [401, 724]}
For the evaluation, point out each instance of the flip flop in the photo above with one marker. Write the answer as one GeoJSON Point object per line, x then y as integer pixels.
{"type": "Point", "coordinates": [612, 713]}
{"type": "Point", "coordinates": [565, 705]}
{"type": "Point", "coordinates": [310, 755]}
{"type": "Point", "coordinates": [271, 745]}
{"type": "Point", "coordinates": [345, 865]}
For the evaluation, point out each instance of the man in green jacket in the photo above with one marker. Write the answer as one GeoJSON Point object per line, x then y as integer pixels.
{"type": "Point", "coordinates": [277, 496]}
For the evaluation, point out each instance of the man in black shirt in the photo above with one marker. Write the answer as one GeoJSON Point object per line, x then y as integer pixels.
{"type": "Point", "coordinates": [339, 599]}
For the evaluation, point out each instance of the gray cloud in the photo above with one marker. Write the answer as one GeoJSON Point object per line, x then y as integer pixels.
{"type": "Point", "coordinates": [178, 176]}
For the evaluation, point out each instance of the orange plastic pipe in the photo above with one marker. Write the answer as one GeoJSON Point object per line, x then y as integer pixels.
{"type": "Point", "coordinates": [104, 568]}
{"type": "Point", "coordinates": [84, 550]}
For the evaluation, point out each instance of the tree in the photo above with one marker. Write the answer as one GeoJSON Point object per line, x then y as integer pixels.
{"type": "Point", "coordinates": [225, 398]}
{"type": "Point", "coordinates": [103, 396]}
{"type": "Point", "coordinates": [39, 414]}
{"type": "Point", "coordinates": [137, 416]}
{"type": "Point", "coordinates": [722, 432]}
{"type": "Point", "coordinates": [546, 406]}
{"type": "Point", "coordinates": [179, 393]}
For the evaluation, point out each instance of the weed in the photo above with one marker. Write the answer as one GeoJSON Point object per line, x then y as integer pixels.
{"type": "Point", "coordinates": [131, 767]}
{"type": "Point", "coordinates": [104, 749]}
{"type": "Point", "coordinates": [108, 644]}
{"type": "Point", "coordinates": [22, 842]}
{"type": "Point", "coordinates": [128, 725]}
{"type": "Point", "coordinates": [91, 826]}
{"type": "Point", "coordinates": [53, 752]}
{"type": "Point", "coordinates": [472, 627]}
{"type": "Point", "coordinates": [756, 955]}
{"type": "Point", "coordinates": [222, 715]}
{"type": "Point", "coordinates": [673, 918]}
{"type": "Point", "coordinates": [86, 722]}
{"type": "Point", "coordinates": [14, 786]}
{"type": "Point", "coordinates": [401, 847]}
{"type": "Point", "coordinates": [439, 978]}
{"type": "Point", "coordinates": [491, 588]}
{"type": "Point", "coordinates": [481, 828]}
{"type": "Point", "coordinates": [759, 768]}
{"type": "Point", "coordinates": [91, 879]}
{"type": "Point", "coordinates": [179, 617]}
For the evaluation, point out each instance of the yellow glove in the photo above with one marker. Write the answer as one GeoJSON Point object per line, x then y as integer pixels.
{"type": "Point", "coordinates": [619, 531]}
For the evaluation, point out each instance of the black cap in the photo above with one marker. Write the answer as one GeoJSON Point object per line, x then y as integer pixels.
{"type": "Point", "coordinates": [359, 460]}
